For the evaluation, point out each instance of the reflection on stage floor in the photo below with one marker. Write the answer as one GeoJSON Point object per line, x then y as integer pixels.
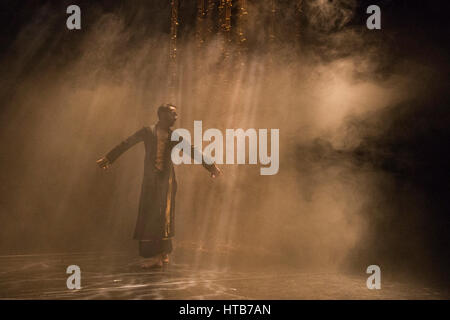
{"type": "Point", "coordinates": [120, 276]}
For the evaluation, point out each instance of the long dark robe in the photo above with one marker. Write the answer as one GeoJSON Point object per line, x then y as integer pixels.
{"type": "Point", "coordinates": [156, 216]}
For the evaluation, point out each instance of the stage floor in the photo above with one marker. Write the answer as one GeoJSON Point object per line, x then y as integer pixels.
{"type": "Point", "coordinates": [119, 276]}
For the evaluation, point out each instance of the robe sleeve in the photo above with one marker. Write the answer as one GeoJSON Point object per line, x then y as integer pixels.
{"type": "Point", "coordinates": [138, 136]}
{"type": "Point", "coordinates": [207, 163]}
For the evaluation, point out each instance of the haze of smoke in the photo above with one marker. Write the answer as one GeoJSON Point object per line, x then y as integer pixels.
{"type": "Point", "coordinates": [69, 115]}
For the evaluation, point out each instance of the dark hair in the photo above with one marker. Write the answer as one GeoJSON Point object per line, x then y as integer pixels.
{"type": "Point", "coordinates": [164, 108]}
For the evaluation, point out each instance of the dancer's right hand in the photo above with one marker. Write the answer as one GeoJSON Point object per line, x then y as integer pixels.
{"type": "Point", "coordinates": [103, 163]}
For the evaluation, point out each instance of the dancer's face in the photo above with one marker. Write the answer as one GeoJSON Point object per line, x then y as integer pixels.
{"type": "Point", "coordinates": [170, 117]}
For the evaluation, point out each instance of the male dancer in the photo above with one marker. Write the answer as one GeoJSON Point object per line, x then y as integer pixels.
{"type": "Point", "coordinates": [155, 225]}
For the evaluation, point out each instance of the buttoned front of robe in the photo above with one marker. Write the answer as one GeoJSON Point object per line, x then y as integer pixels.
{"type": "Point", "coordinates": [156, 216]}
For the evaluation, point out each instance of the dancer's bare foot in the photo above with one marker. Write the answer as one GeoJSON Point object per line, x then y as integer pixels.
{"type": "Point", "coordinates": [165, 258]}
{"type": "Point", "coordinates": [151, 263]}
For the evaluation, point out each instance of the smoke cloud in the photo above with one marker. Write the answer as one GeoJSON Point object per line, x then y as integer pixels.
{"type": "Point", "coordinates": [337, 95]}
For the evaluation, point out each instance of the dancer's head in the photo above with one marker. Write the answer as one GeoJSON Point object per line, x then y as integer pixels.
{"type": "Point", "coordinates": [167, 114]}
